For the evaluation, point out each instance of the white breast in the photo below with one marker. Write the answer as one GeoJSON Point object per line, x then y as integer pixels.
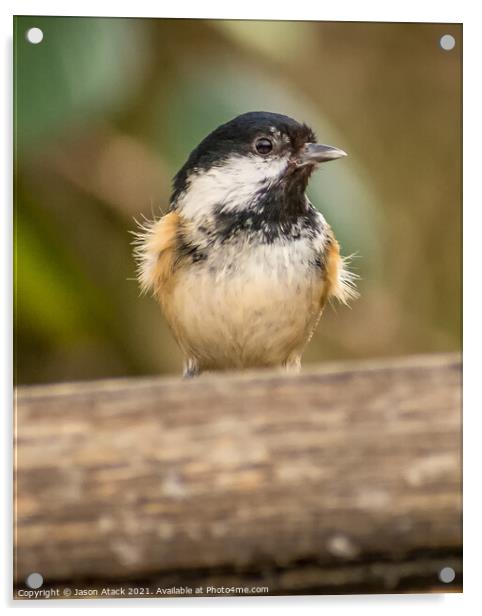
{"type": "Point", "coordinates": [247, 305]}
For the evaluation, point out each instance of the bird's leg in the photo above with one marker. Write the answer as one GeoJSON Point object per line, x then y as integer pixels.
{"type": "Point", "coordinates": [191, 368]}
{"type": "Point", "coordinates": [293, 364]}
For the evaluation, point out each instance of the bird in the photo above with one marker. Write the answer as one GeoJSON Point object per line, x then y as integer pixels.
{"type": "Point", "coordinates": [243, 264]}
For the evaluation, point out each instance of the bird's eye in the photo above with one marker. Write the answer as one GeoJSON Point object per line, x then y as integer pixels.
{"type": "Point", "coordinates": [264, 145]}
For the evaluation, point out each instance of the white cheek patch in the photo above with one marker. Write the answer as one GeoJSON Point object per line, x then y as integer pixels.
{"type": "Point", "coordinates": [232, 185]}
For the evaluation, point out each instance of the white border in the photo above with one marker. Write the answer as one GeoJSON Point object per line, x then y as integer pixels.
{"type": "Point", "coordinates": [369, 10]}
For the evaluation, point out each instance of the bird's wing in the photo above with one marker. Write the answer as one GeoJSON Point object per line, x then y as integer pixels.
{"type": "Point", "coordinates": [339, 280]}
{"type": "Point", "coordinates": [155, 253]}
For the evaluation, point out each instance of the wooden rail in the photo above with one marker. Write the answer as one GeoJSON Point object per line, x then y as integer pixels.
{"type": "Point", "coordinates": [342, 479]}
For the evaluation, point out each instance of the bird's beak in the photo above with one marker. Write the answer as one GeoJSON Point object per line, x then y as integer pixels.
{"type": "Point", "coordinates": [313, 153]}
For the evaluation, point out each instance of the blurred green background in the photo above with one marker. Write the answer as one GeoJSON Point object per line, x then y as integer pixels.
{"type": "Point", "coordinates": [106, 111]}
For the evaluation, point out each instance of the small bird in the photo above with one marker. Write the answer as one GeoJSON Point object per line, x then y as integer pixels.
{"type": "Point", "coordinates": [243, 264]}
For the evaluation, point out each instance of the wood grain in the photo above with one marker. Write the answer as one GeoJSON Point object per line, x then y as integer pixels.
{"type": "Point", "coordinates": [344, 478]}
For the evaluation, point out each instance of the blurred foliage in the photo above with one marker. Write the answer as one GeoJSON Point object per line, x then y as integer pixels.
{"type": "Point", "coordinates": [107, 109]}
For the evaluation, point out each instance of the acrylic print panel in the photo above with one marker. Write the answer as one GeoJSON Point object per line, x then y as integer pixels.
{"type": "Point", "coordinates": [250, 478]}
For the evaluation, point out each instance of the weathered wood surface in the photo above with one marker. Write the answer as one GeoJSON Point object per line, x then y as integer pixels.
{"type": "Point", "coordinates": [342, 478]}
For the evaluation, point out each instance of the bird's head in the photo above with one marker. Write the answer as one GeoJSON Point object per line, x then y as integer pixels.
{"type": "Point", "coordinates": [253, 154]}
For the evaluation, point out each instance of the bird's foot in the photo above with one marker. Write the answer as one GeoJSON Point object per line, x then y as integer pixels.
{"type": "Point", "coordinates": [191, 368]}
